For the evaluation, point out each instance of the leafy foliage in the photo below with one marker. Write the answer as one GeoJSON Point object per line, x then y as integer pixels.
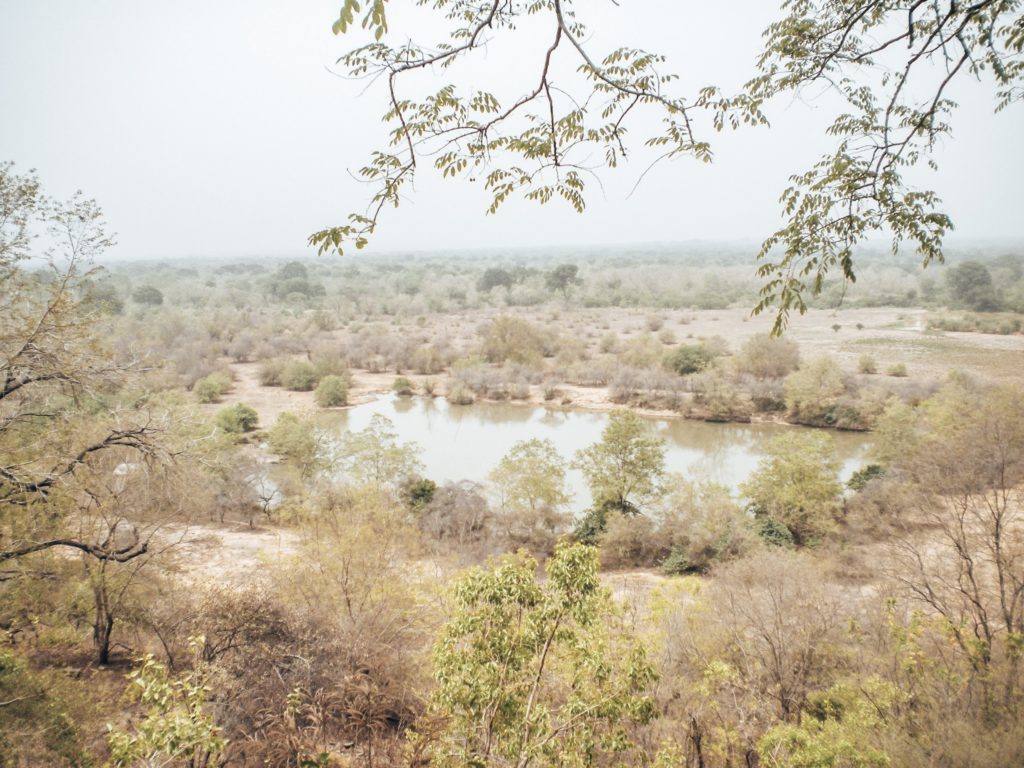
{"type": "Point", "coordinates": [626, 467]}
{"type": "Point", "coordinates": [529, 673]}
{"type": "Point", "coordinates": [797, 484]}
{"type": "Point", "coordinates": [175, 727]}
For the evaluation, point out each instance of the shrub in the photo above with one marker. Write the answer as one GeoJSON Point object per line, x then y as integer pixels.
{"type": "Point", "coordinates": [768, 357]}
{"type": "Point", "coordinates": [773, 532]}
{"type": "Point", "coordinates": [299, 376]}
{"type": "Point", "coordinates": [676, 563]}
{"type": "Point", "coordinates": [331, 392]}
{"type": "Point", "coordinates": [898, 370]}
{"type": "Point", "coordinates": [237, 418]}
{"type": "Point", "coordinates": [269, 373]}
{"type": "Point", "coordinates": [211, 388]}
{"type": "Point", "coordinates": [813, 392]}
{"type": "Point", "coordinates": [626, 541]}
{"type": "Point", "coordinates": [609, 342]}
{"type": "Point", "coordinates": [689, 358]}
{"type": "Point", "coordinates": [867, 364]}
{"type": "Point", "coordinates": [459, 394]}
{"type": "Point", "coordinates": [147, 294]}
{"type": "Point", "coordinates": [860, 479]}
{"type": "Point", "coordinates": [512, 339]}
{"type": "Point", "coordinates": [403, 387]}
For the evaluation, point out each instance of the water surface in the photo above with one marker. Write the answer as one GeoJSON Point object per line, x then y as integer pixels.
{"type": "Point", "coordinates": [465, 442]}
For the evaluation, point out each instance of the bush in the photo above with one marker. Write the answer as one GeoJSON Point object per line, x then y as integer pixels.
{"type": "Point", "coordinates": [689, 358]}
{"type": "Point", "coordinates": [403, 387]}
{"type": "Point", "coordinates": [867, 364]}
{"type": "Point", "coordinates": [237, 418]}
{"type": "Point", "coordinates": [459, 394]}
{"type": "Point", "coordinates": [269, 374]}
{"type": "Point", "coordinates": [676, 563]}
{"type": "Point", "coordinates": [211, 388]}
{"type": "Point", "coordinates": [768, 357]}
{"type": "Point", "coordinates": [331, 392]}
{"type": "Point", "coordinates": [898, 370]}
{"type": "Point", "coordinates": [773, 532]}
{"type": "Point", "coordinates": [813, 392]}
{"type": "Point", "coordinates": [147, 294]}
{"type": "Point", "coordinates": [860, 479]}
{"type": "Point", "coordinates": [514, 340]}
{"type": "Point", "coordinates": [299, 376]}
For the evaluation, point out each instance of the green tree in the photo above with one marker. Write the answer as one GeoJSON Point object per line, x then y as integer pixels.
{"type": "Point", "coordinates": [494, 277]}
{"type": "Point", "coordinates": [880, 59]}
{"type": "Point", "coordinates": [797, 484]}
{"type": "Point", "coordinates": [59, 381]}
{"type": "Point", "coordinates": [626, 467]}
{"type": "Point", "coordinates": [374, 457]}
{"type": "Point", "coordinates": [531, 487]}
{"type": "Point", "coordinates": [535, 673]}
{"type": "Point", "coordinates": [563, 279]}
{"type": "Point", "coordinates": [970, 286]}
{"type": "Point", "coordinates": [147, 294]}
{"type": "Point", "coordinates": [299, 441]}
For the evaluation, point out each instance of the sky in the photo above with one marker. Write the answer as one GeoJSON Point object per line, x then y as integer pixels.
{"type": "Point", "coordinates": [224, 129]}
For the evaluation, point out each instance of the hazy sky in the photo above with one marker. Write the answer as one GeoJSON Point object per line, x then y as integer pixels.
{"type": "Point", "coordinates": [217, 128]}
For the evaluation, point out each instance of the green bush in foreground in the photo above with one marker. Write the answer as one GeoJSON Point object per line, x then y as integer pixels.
{"type": "Point", "coordinates": [331, 392]}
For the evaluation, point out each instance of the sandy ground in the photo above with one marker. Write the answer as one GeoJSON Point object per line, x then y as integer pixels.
{"type": "Point", "coordinates": [229, 552]}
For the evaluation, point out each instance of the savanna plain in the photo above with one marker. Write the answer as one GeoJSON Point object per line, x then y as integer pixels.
{"type": "Point", "coordinates": [540, 506]}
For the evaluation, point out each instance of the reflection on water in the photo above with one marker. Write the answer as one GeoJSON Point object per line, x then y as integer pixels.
{"type": "Point", "coordinates": [466, 442]}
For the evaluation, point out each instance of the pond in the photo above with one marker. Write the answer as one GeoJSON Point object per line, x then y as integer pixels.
{"type": "Point", "coordinates": [465, 442]}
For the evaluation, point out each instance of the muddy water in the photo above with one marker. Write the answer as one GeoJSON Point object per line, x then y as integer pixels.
{"type": "Point", "coordinates": [467, 442]}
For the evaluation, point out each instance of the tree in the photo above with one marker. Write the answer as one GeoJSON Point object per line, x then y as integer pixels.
{"type": "Point", "coordinates": [56, 374]}
{"type": "Point", "coordinates": [299, 441]}
{"type": "Point", "coordinates": [494, 277]}
{"type": "Point", "coordinates": [374, 456]}
{"type": "Point", "coordinates": [964, 465]}
{"type": "Point", "coordinates": [626, 467]}
{"type": "Point", "coordinates": [534, 673]}
{"type": "Point", "coordinates": [147, 294]}
{"type": "Point", "coordinates": [563, 279]}
{"type": "Point", "coordinates": [882, 59]}
{"type": "Point", "coordinates": [970, 286]}
{"type": "Point", "coordinates": [530, 485]}
{"type": "Point", "coordinates": [797, 484]}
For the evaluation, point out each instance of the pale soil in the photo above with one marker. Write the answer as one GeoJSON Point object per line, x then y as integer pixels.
{"type": "Point", "coordinates": [228, 552]}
